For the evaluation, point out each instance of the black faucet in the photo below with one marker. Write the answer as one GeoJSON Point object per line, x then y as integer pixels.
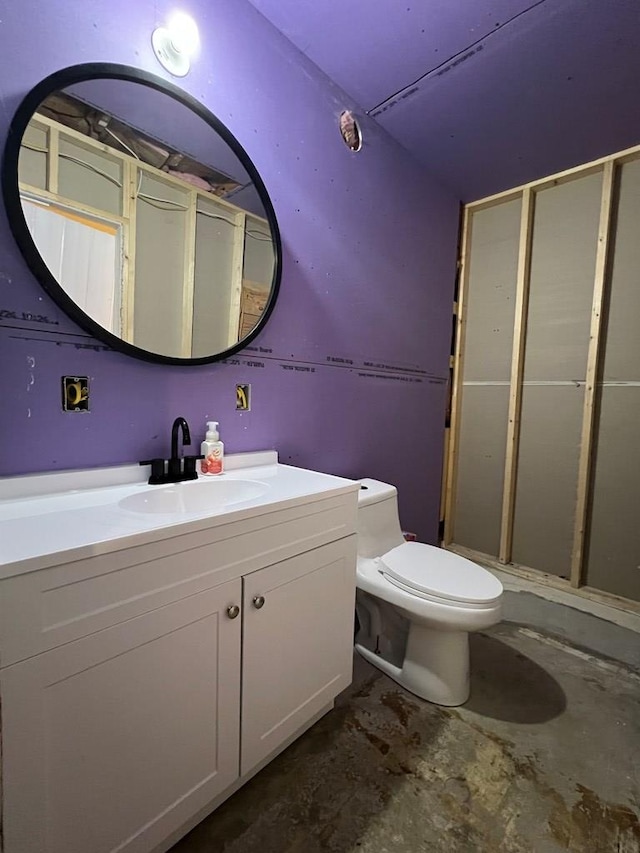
{"type": "Point", "coordinates": [175, 462]}
{"type": "Point", "coordinates": [179, 423]}
{"type": "Point", "coordinates": [177, 468]}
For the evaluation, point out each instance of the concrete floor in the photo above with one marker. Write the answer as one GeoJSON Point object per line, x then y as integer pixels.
{"type": "Point", "coordinates": [545, 757]}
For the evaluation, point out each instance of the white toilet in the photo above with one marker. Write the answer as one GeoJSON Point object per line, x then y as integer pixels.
{"type": "Point", "coordinates": [417, 603]}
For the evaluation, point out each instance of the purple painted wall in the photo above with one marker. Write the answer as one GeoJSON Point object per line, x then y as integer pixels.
{"type": "Point", "coordinates": [349, 376]}
{"type": "Point", "coordinates": [550, 90]}
{"type": "Point", "coordinates": [488, 94]}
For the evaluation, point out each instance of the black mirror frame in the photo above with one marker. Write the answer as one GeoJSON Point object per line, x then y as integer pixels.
{"type": "Point", "coordinates": [17, 222]}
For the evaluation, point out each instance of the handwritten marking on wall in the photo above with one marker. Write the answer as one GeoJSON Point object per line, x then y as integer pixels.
{"type": "Point", "coordinates": [243, 361]}
{"type": "Point", "coordinates": [298, 368]}
{"type": "Point", "coordinates": [26, 316]}
{"type": "Point", "coordinates": [31, 378]}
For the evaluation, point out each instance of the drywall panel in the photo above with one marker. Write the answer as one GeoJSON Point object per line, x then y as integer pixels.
{"type": "Point", "coordinates": [259, 257]}
{"type": "Point", "coordinates": [32, 164]}
{"type": "Point", "coordinates": [490, 297]}
{"type": "Point", "coordinates": [161, 219]}
{"type": "Point", "coordinates": [622, 347]}
{"type": "Point", "coordinates": [613, 553]}
{"type": "Point", "coordinates": [89, 177]}
{"type": "Point", "coordinates": [547, 477]}
{"type": "Point", "coordinates": [563, 253]}
{"type": "Point", "coordinates": [483, 432]}
{"type": "Point", "coordinates": [213, 277]}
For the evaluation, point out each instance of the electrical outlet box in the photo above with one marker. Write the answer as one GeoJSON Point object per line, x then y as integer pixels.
{"type": "Point", "coordinates": [243, 398]}
{"type": "Point", "coordinates": [75, 393]}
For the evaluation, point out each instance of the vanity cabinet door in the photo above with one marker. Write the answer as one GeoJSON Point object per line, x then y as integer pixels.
{"type": "Point", "coordinates": [298, 644]}
{"type": "Point", "coordinates": [112, 742]}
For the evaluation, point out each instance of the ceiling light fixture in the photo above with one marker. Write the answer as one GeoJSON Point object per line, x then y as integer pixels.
{"type": "Point", "coordinates": [175, 44]}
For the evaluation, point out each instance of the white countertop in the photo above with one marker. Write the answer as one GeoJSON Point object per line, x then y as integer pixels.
{"type": "Point", "coordinates": [49, 519]}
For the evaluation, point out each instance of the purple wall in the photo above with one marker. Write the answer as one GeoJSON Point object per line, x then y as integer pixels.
{"type": "Point", "coordinates": [487, 94]}
{"type": "Point", "coordinates": [550, 91]}
{"type": "Point", "coordinates": [349, 376]}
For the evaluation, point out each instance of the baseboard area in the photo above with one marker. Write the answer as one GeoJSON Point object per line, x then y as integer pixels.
{"type": "Point", "coordinates": [593, 626]}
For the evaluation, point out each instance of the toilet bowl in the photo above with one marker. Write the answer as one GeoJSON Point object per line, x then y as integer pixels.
{"type": "Point", "coordinates": [416, 603]}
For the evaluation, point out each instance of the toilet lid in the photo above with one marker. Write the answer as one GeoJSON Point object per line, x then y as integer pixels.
{"type": "Point", "coordinates": [440, 574]}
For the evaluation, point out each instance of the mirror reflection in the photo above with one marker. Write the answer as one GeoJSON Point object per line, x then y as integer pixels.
{"type": "Point", "coordinates": [147, 218]}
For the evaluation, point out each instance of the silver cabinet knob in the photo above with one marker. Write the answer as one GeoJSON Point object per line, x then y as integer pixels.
{"type": "Point", "coordinates": [232, 611]}
{"type": "Point", "coordinates": [258, 601]}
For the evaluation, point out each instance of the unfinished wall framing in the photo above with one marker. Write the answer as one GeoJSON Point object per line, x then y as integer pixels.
{"type": "Point", "coordinates": [183, 251]}
{"type": "Point", "coordinates": [543, 462]}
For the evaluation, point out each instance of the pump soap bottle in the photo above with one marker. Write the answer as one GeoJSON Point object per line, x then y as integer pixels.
{"type": "Point", "coordinates": [213, 450]}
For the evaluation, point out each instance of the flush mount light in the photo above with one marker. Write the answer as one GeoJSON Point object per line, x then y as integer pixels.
{"type": "Point", "coordinates": [175, 44]}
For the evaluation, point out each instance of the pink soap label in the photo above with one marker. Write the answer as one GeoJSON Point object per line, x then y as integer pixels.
{"type": "Point", "coordinates": [212, 463]}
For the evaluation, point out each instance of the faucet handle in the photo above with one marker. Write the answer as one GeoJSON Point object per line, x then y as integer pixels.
{"type": "Point", "coordinates": [190, 472]}
{"type": "Point", "coordinates": [157, 471]}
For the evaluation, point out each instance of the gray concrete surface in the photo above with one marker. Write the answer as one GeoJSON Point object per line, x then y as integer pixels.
{"type": "Point", "coordinates": [544, 758]}
{"type": "Point", "coordinates": [585, 630]}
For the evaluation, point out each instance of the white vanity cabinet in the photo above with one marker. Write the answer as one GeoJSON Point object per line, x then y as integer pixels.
{"type": "Point", "coordinates": [111, 742]}
{"type": "Point", "coordinates": [134, 698]}
{"type": "Point", "coordinates": [297, 650]}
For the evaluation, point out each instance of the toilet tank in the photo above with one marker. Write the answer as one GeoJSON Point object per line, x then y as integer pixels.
{"type": "Point", "coordinates": [378, 523]}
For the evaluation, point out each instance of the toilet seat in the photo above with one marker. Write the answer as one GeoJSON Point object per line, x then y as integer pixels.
{"type": "Point", "coordinates": [437, 575]}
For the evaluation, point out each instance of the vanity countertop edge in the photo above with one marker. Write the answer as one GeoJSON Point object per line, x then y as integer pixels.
{"type": "Point", "coordinates": [42, 528]}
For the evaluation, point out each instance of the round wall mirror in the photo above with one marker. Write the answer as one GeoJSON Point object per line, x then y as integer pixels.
{"type": "Point", "coordinates": [141, 214]}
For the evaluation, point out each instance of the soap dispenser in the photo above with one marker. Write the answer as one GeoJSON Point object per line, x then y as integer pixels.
{"type": "Point", "coordinates": [212, 449]}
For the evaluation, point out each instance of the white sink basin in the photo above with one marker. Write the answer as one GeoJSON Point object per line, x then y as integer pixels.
{"type": "Point", "coordinates": [198, 496]}
{"type": "Point", "coordinates": [81, 514]}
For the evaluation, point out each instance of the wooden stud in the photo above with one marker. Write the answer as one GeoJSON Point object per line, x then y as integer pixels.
{"type": "Point", "coordinates": [189, 276]}
{"type": "Point", "coordinates": [237, 272]}
{"type": "Point", "coordinates": [593, 360]}
{"type": "Point", "coordinates": [517, 371]}
{"type": "Point", "coordinates": [53, 161]}
{"type": "Point", "coordinates": [129, 206]}
{"type": "Point", "coordinates": [443, 485]}
{"type": "Point", "coordinates": [456, 390]}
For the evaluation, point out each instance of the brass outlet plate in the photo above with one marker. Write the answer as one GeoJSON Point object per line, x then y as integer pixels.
{"type": "Point", "coordinates": [75, 393]}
